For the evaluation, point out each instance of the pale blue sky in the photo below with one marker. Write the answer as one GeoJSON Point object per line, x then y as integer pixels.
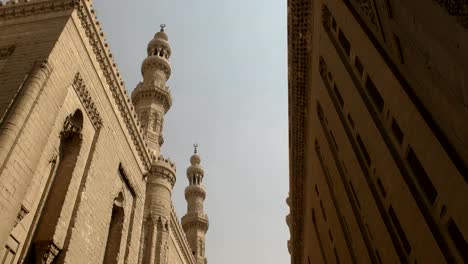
{"type": "Point", "coordinates": [229, 88]}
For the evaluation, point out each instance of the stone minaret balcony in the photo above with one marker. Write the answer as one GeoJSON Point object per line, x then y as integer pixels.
{"type": "Point", "coordinates": [195, 222]}
{"type": "Point", "coordinates": [152, 98]}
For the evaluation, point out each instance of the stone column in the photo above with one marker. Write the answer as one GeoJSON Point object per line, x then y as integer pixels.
{"type": "Point", "coordinates": [14, 182]}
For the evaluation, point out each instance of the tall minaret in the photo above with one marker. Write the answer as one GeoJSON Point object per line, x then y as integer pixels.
{"type": "Point", "coordinates": [152, 100]}
{"type": "Point", "coordinates": [195, 222]}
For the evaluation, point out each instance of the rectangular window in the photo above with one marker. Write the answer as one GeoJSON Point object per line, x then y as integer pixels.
{"type": "Point", "coordinates": [397, 131]}
{"type": "Point", "coordinates": [458, 239]}
{"type": "Point", "coordinates": [399, 229]}
{"type": "Point", "coordinates": [364, 150]}
{"type": "Point", "coordinates": [334, 24]}
{"type": "Point", "coordinates": [354, 194]}
{"type": "Point", "coordinates": [358, 65]}
{"type": "Point", "coordinates": [323, 211]}
{"type": "Point", "coordinates": [381, 188]}
{"type": "Point", "coordinates": [329, 233]}
{"type": "Point", "coordinates": [338, 95]}
{"type": "Point", "coordinates": [421, 176]}
{"type": "Point", "coordinates": [316, 190]}
{"type": "Point", "coordinates": [399, 48]}
{"type": "Point", "coordinates": [344, 42]}
{"type": "Point", "coordinates": [351, 122]}
{"type": "Point", "coordinates": [374, 94]}
{"type": "Point", "coordinates": [389, 8]}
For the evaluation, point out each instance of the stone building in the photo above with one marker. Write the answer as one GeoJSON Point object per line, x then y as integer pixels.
{"type": "Point", "coordinates": [378, 132]}
{"type": "Point", "coordinates": [82, 179]}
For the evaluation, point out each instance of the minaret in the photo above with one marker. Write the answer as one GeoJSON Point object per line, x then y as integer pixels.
{"type": "Point", "coordinates": [195, 222]}
{"type": "Point", "coordinates": [152, 100]}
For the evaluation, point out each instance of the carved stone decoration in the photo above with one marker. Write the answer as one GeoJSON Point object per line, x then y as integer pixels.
{"type": "Point", "coordinates": [299, 35]}
{"type": "Point", "coordinates": [87, 101]}
{"type": "Point", "coordinates": [50, 254]}
{"type": "Point", "coordinates": [6, 52]}
{"type": "Point", "coordinates": [112, 77]}
{"type": "Point", "coordinates": [457, 8]}
{"type": "Point", "coordinates": [70, 127]}
{"type": "Point", "coordinates": [23, 211]}
{"type": "Point", "coordinates": [368, 9]}
{"type": "Point", "coordinates": [326, 16]}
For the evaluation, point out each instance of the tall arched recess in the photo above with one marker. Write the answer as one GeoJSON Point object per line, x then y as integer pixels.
{"type": "Point", "coordinates": [43, 246]}
{"type": "Point", "coordinates": [114, 236]}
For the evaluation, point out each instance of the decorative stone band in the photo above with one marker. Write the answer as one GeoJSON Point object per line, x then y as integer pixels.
{"type": "Point", "coordinates": [195, 190]}
{"type": "Point", "coordinates": [153, 63]}
{"type": "Point", "coordinates": [23, 211]}
{"type": "Point", "coordinates": [195, 220]}
{"type": "Point", "coordinates": [162, 96]}
{"type": "Point", "coordinates": [164, 168]}
{"type": "Point", "coordinates": [87, 101]}
{"type": "Point", "coordinates": [456, 8]}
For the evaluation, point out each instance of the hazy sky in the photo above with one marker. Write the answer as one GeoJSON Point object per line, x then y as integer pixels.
{"type": "Point", "coordinates": [229, 89]}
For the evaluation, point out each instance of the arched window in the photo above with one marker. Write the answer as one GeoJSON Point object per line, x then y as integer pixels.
{"type": "Point", "coordinates": [114, 237]}
{"type": "Point", "coordinates": [43, 244]}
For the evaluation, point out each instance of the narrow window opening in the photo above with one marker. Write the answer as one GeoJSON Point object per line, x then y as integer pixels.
{"type": "Point", "coordinates": [358, 65]}
{"type": "Point", "coordinates": [351, 121]}
{"type": "Point", "coordinates": [323, 211]}
{"type": "Point", "coordinates": [355, 195]}
{"type": "Point", "coordinates": [389, 8]}
{"type": "Point", "coordinates": [336, 256]}
{"type": "Point", "coordinates": [378, 256]}
{"type": "Point", "coordinates": [399, 48]}
{"type": "Point", "coordinates": [334, 24]}
{"type": "Point", "coordinates": [344, 42]}
{"type": "Point", "coordinates": [421, 176]}
{"type": "Point", "coordinates": [397, 132]}
{"type": "Point", "coordinates": [338, 95]}
{"type": "Point", "coordinates": [364, 150]}
{"type": "Point", "coordinates": [316, 190]}
{"type": "Point", "coordinates": [381, 188]}
{"type": "Point", "coordinates": [329, 233]}
{"type": "Point", "coordinates": [399, 229]}
{"type": "Point", "coordinates": [114, 236]}
{"type": "Point", "coordinates": [374, 94]}
{"type": "Point", "coordinates": [458, 239]}
{"type": "Point", "coordinates": [334, 141]}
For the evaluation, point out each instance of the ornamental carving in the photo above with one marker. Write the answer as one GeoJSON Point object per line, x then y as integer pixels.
{"type": "Point", "coordinates": [6, 52]}
{"type": "Point", "coordinates": [368, 9]}
{"type": "Point", "coordinates": [50, 254]}
{"type": "Point", "coordinates": [23, 211]}
{"type": "Point", "coordinates": [112, 78]}
{"type": "Point", "coordinates": [87, 101]}
{"type": "Point", "coordinates": [456, 8]}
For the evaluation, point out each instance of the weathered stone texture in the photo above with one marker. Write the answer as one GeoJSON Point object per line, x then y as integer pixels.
{"type": "Point", "coordinates": [71, 75]}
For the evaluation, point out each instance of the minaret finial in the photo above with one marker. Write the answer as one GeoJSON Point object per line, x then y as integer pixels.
{"type": "Point", "coordinates": [162, 27]}
{"type": "Point", "coordinates": [195, 146]}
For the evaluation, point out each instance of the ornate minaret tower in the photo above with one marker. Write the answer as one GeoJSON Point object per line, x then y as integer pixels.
{"type": "Point", "coordinates": [152, 100]}
{"type": "Point", "coordinates": [195, 222]}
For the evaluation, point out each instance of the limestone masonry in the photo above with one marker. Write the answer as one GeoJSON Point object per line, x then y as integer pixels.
{"type": "Point", "coordinates": [82, 178]}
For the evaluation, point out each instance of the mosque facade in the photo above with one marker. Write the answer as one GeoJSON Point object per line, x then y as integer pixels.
{"type": "Point", "coordinates": [82, 177]}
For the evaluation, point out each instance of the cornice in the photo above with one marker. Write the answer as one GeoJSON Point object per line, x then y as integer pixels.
{"type": "Point", "coordinates": [299, 46]}
{"type": "Point", "coordinates": [112, 76]}
{"type": "Point", "coordinates": [87, 101]}
{"type": "Point", "coordinates": [179, 234]}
